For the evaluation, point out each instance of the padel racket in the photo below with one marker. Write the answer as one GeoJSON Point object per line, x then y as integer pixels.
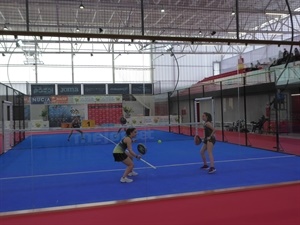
{"type": "Point", "coordinates": [142, 149]}
{"type": "Point", "coordinates": [197, 140]}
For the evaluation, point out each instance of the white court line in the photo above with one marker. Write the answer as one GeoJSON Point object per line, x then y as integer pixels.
{"type": "Point", "coordinates": [163, 166]}
{"type": "Point", "coordinates": [60, 174]}
{"type": "Point", "coordinates": [227, 161]}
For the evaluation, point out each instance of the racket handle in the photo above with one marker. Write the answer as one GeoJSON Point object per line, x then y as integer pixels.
{"type": "Point", "coordinates": [144, 161]}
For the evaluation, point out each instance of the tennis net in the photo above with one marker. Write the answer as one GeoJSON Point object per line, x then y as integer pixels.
{"type": "Point", "coordinates": [101, 135]}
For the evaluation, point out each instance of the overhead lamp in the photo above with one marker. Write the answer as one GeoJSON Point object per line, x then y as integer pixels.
{"type": "Point", "coordinates": [100, 30]}
{"type": "Point", "coordinates": [81, 6]}
{"type": "Point", "coordinates": [200, 32]}
{"type": "Point", "coordinates": [169, 48]}
{"type": "Point", "coordinates": [234, 32]}
{"type": "Point", "coordinates": [213, 33]}
{"type": "Point", "coordinates": [233, 13]}
{"type": "Point", "coordinates": [77, 29]}
{"type": "Point", "coordinates": [19, 43]}
{"type": "Point", "coordinates": [162, 10]}
{"type": "Point", "coordinates": [5, 27]}
{"type": "Point", "coordinates": [276, 14]}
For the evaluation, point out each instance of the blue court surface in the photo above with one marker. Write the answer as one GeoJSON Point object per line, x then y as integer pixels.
{"type": "Point", "coordinates": [47, 171]}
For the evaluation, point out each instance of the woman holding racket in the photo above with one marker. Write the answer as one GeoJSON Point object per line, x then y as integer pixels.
{"type": "Point", "coordinates": [123, 153]}
{"type": "Point", "coordinates": [209, 141]}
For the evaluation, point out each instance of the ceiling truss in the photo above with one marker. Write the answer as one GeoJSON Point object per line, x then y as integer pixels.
{"type": "Point", "coordinates": [142, 22]}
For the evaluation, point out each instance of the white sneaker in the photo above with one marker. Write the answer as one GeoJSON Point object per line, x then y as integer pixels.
{"type": "Point", "coordinates": [125, 180]}
{"type": "Point", "coordinates": [132, 174]}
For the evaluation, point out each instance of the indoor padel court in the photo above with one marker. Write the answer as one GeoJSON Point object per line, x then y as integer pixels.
{"type": "Point", "coordinates": [46, 172]}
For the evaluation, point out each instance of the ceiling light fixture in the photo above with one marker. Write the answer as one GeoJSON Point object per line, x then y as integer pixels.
{"type": "Point", "coordinates": [19, 43]}
{"type": "Point", "coordinates": [276, 14]}
{"type": "Point", "coordinates": [213, 33]}
{"type": "Point", "coordinates": [77, 29]}
{"type": "Point", "coordinates": [234, 32]}
{"type": "Point", "coordinates": [81, 6]}
{"type": "Point", "coordinates": [5, 27]}
{"type": "Point", "coordinates": [100, 30]}
{"type": "Point", "coordinates": [169, 48]}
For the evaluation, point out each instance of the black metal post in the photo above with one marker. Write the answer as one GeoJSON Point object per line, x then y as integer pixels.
{"type": "Point", "coordinates": [245, 110]}
{"type": "Point", "coordinates": [178, 111]}
{"type": "Point", "coordinates": [142, 17]}
{"type": "Point", "coordinates": [190, 110]}
{"type": "Point", "coordinates": [222, 112]}
{"type": "Point", "coordinates": [237, 19]}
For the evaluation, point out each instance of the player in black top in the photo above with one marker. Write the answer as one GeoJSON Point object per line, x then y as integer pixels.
{"type": "Point", "coordinates": [76, 123]}
{"type": "Point", "coordinates": [123, 153]}
{"type": "Point", "coordinates": [209, 141]}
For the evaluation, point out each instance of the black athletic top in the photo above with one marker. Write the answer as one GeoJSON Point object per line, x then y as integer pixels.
{"type": "Point", "coordinates": [76, 124]}
{"type": "Point", "coordinates": [121, 146]}
{"type": "Point", "coordinates": [207, 131]}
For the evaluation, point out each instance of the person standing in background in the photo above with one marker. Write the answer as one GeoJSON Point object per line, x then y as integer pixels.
{"type": "Point", "coordinates": [208, 143]}
{"type": "Point", "coordinates": [76, 123]}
